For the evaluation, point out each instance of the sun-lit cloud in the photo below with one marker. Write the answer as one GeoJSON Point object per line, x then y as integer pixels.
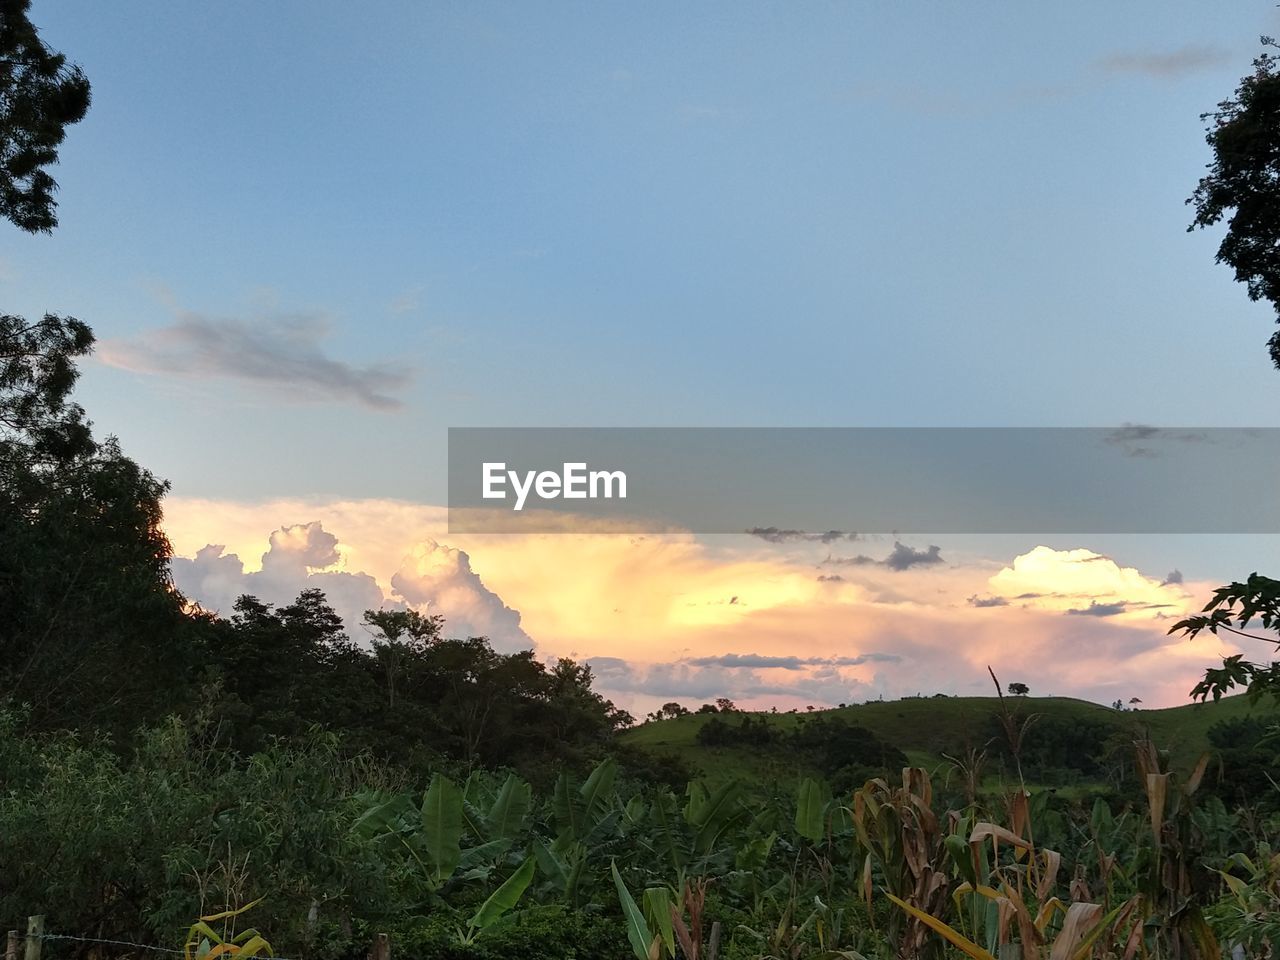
{"type": "Point", "coordinates": [674, 616]}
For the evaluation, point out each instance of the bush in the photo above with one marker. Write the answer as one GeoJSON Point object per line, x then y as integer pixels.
{"type": "Point", "coordinates": [539, 933]}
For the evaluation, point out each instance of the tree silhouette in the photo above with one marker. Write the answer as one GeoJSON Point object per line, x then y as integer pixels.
{"type": "Point", "coordinates": [40, 96]}
{"type": "Point", "coordinates": [1244, 182]}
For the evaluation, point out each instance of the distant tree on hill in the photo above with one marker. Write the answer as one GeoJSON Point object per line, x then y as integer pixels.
{"type": "Point", "coordinates": [1019, 689]}
{"type": "Point", "coordinates": [669, 711]}
{"type": "Point", "coordinates": [725, 705]}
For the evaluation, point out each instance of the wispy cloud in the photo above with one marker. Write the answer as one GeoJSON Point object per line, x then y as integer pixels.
{"type": "Point", "coordinates": [977, 601]}
{"type": "Point", "coordinates": [407, 301]}
{"type": "Point", "coordinates": [1095, 609]}
{"type": "Point", "coordinates": [778, 535]}
{"type": "Point", "coordinates": [901, 558]}
{"type": "Point", "coordinates": [281, 351]}
{"type": "Point", "coordinates": [755, 661]}
{"type": "Point", "coordinates": [1140, 440]}
{"type": "Point", "coordinates": [1167, 65]}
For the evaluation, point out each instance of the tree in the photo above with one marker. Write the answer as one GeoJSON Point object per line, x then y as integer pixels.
{"type": "Point", "coordinates": [1233, 609]}
{"type": "Point", "coordinates": [1018, 689]}
{"type": "Point", "coordinates": [40, 96]}
{"type": "Point", "coordinates": [725, 705]}
{"type": "Point", "coordinates": [395, 633]}
{"type": "Point", "coordinates": [669, 711]}
{"type": "Point", "coordinates": [90, 626]}
{"type": "Point", "coordinates": [1244, 179]}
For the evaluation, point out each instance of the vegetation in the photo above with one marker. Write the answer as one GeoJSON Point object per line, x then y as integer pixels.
{"type": "Point", "coordinates": [1243, 183]}
{"type": "Point", "coordinates": [159, 763]}
{"type": "Point", "coordinates": [40, 95]}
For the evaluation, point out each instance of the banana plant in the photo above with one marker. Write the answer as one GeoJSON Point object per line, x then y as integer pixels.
{"type": "Point", "coordinates": [499, 903]}
{"type": "Point", "coordinates": [591, 811]}
{"type": "Point", "coordinates": [432, 834]}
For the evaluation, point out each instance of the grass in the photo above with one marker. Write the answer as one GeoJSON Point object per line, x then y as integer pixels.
{"type": "Point", "coordinates": [926, 728]}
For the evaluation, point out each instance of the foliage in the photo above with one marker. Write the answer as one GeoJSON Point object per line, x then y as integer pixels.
{"type": "Point", "coordinates": [40, 95]}
{"type": "Point", "coordinates": [846, 753]}
{"type": "Point", "coordinates": [1244, 134]}
{"type": "Point", "coordinates": [207, 943]}
{"type": "Point", "coordinates": [1233, 608]}
{"type": "Point", "coordinates": [93, 633]}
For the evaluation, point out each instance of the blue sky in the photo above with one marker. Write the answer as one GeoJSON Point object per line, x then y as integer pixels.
{"type": "Point", "coordinates": [756, 214]}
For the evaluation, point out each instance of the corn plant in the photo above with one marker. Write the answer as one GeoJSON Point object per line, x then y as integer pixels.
{"type": "Point", "coordinates": [204, 942]}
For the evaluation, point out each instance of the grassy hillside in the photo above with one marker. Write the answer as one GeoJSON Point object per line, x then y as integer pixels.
{"type": "Point", "coordinates": [927, 728]}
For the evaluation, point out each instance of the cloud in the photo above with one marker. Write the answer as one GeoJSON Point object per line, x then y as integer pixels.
{"type": "Point", "coordinates": [440, 579]}
{"type": "Point", "coordinates": [901, 558]}
{"type": "Point", "coordinates": [648, 607]}
{"type": "Point", "coordinates": [1172, 577]}
{"type": "Point", "coordinates": [1095, 609]}
{"type": "Point", "coordinates": [1170, 65]}
{"type": "Point", "coordinates": [280, 351]}
{"type": "Point", "coordinates": [977, 601]}
{"type": "Point", "coordinates": [1139, 440]}
{"type": "Point", "coordinates": [776, 535]}
{"type": "Point", "coordinates": [432, 577]}
{"type": "Point", "coordinates": [408, 301]}
{"type": "Point", "coordinates": [756, 661]}
{"type": "Point", "coordinates": [656, 683]}
{"type": "Point", "coordinates": [297, 559]}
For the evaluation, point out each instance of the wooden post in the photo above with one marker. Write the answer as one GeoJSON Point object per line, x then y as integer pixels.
{"type": "Point", "coordinates": [35, 934]}
{"type": "Point", "coordinates": [381, 948]}
{"type": "Point", "coordinates": [713, 948]}
{"type": "Point", "coordinates": [11, 946]}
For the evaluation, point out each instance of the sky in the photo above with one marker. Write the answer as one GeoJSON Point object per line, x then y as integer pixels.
{"type": "Point", "coordinates": [312, 237]}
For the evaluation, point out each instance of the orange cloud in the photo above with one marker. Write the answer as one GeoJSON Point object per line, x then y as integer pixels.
{"type": "Point", "coordinates": [670, 616]}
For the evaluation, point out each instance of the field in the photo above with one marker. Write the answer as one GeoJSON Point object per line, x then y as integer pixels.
{"type": "Point", "coordinates": [927, 729]}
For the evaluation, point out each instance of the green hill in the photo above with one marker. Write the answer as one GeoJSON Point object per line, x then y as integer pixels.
{"type": "Point", "coordinates": [929, 728]}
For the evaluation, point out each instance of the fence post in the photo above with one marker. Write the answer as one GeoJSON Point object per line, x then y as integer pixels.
{"type": "Point", "coordinates": [381, 947]}
{"type": "Point", "coordinates": [35, 935]}
{"type": "Point", "coordinates": [11, 946]}
{"type": "Point", "coordinates": [713, 949]}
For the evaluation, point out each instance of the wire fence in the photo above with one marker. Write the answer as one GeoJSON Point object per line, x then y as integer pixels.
{"type": "Point", "coordinates": [65, 937]}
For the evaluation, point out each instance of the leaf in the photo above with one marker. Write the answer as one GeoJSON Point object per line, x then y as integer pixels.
{"type": "Point", "coordinates": [1193, 781]}
{"type": "Point", "coordinates": [809, 807]}
{"type": "Point", "coordinates": [637, 930]}
{"type": "Point", "coordinates": [933, 923]}
{"type": "Point", "coordinates": [657, 908]}
{"type": "Point", "coordinates": [442, 826]}
{"type": "Point", "coordinates": [507, 814]}
{"type": "Point", "coordinates": [1157, 789]}
{"type": "Point", "coordinates": [505, 897]}
{"type": "Point", "coordinates": [1080, 919]}
{"type": "Point", "coordinates": [595, 792]}
{"type": "Point", "coordinates": [256, 947]}
{"type": "Point", "coordinates": [566, 811]}
{"type": "Point", "coordinates": [712, 816]}
{"type": "Point", "coordinates": [983, 830]}
{"type": "Point", "coordinates": [225, 914]}
{"type": "Point", "coordinates": [551, 865]}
